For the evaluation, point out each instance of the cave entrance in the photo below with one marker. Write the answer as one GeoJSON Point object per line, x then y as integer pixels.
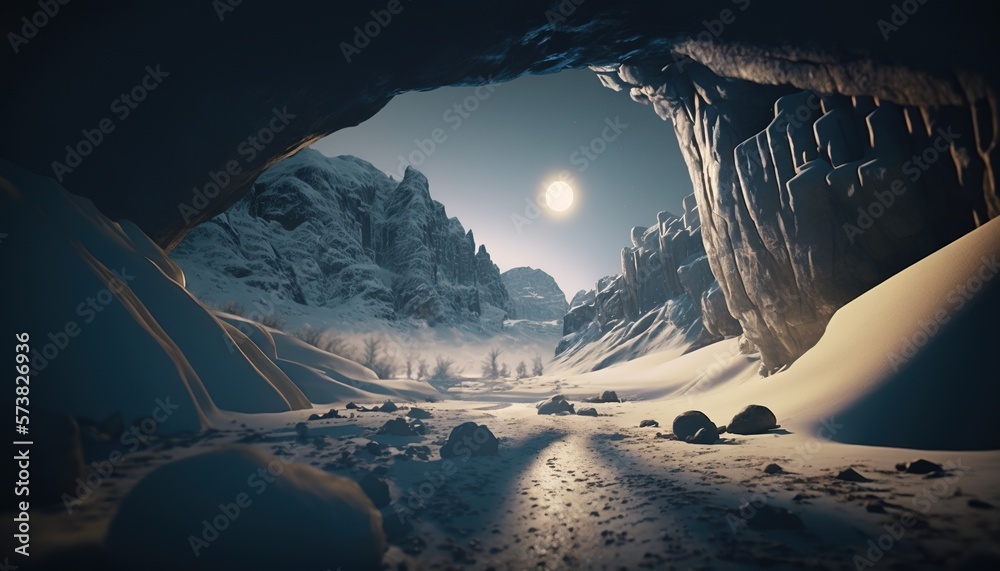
{"type": "Point", "coordinates": [552, 172]}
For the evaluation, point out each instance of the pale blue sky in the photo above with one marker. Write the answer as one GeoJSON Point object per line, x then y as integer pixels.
{"type": "Point", "coordinates": [499, 148]}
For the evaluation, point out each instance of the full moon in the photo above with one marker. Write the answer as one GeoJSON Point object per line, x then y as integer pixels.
{"type": "Point", "coordinates": [559, 196]}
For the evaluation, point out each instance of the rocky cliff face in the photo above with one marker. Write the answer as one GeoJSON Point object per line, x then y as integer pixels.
{"type": "Point", "coordinates": [534, 294]}
{"type": "Point", "coordinates": [338, 232]}
{"type": "Point", "coordinates": [810, 199]}
{"type": "Point", "coordinates": [666, 293]}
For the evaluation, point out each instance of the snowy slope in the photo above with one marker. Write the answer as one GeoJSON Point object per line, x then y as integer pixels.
{"type": "Point", "coordinates": [113, 330]}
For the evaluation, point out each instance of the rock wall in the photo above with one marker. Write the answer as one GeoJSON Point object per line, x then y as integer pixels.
{"type": "Point", "coordinates": [337, 232]}
{"type": "Point", "coordinates": [247, 87]}
{"type": "Point", "coordinates": [534, 294]}
{"type": "Point", "coordinates": [666, 265]}
{"type": "Point", "coordinates": [808, 200]}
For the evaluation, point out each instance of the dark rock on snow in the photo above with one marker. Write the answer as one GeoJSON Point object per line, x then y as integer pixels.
{"type": "Point", "coordinates": [397, 427]}
{"type": "Point", "coordinates": [773, 469]}
{"type": "Point", "coordinates": [588, 411]}
{"type": "Point", "coordinates": [687, 424]}
{"type": "Point", "coordinates": [419, 413]}
{"type": "Point", "coordinates": [706, 435]}
{"type": "Point", "coordinates": [851, 475]}
{"type": "Point", "coordinates": [555, 405]}
{"type": "Point", "coordinates": [470, 439]}
{"type": "Point", "coordinates": [649, 423]}
{"type": "Point", "coordinates": [920, 466]}
{"type": "Point", "coordinates": [754, 419]}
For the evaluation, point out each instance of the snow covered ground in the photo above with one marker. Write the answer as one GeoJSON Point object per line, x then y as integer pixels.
{"type": "Point", "coordinates": [906, 371]}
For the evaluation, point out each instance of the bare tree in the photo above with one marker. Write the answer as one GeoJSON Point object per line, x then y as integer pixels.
{"type": "Point", "coordinates": [521, 371]}
{"type": "Point", "coordinates": [272, 320]}
{"type": "Point", "coordinates": [422, 369]}
{"type": "Point", "coordinates": [504, 371]}
{"type": "Point", "coordinates": [491, 366]}
{"type": "Point", "coordinates": [311, 335]}
{"type": "Point", "coordinates": [371, 351]}
{"type": "Point", "coordinates": [444, 368]}
{"type": "Point", "coordinates": [536, 367]}
{"type": "Point", "coordinates": [230, 306]}
{"type": "Point", "coordinates": [409, 361]}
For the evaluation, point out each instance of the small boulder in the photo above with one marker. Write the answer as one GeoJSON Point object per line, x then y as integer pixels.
{"type": "Point", "coordinates": [419, 413]}
{"type": "Point", "coordinates": [754, 419]}
{"type": "Point", "coordinates": [688, 423]}
{"type": "Point", "coordinates": [351, 406]}
{"type": "Point", "coordinates": [773, 469]}
{"type": "Point", "coordinates": [373, 448]}
{"type": "Point", "coordinates": [589, 411]}
{"type": "Point", "coordinates": [388, 406]}
{"type": "Point", "coordinates": [851, 475]}
{"type": "Point", "coordinates": [920, 466]}
{"type": "Point", "coordinates": [418, 426]}
{"type": "Point", "coordinates": [301, 431]}
{"type": "Point", "coordinates": [470, 439]}
{"type": "Point", "coordinates": [706, 435]}
{"type": "Point", "coordinates": [554, 405]}
{"type": "Point", "coordinates": [649, 423]}
{"type": "Point", "coordinates": [397, 427]}
{"type": "Point", "coordinates": [610, 396]}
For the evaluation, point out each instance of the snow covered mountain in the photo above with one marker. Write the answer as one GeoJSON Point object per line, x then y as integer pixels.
{"type": "Point", "coordinates": [534, 294]}
{"type": "Point", "coordinates": [337, 233]}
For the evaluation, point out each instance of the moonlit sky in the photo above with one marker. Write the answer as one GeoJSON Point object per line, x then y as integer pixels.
{"type": "Point", "coordinates": [514, 140]}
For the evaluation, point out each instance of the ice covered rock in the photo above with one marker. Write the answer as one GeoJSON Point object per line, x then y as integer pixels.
{"type": "Point", "coordinates": [218, 507]}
